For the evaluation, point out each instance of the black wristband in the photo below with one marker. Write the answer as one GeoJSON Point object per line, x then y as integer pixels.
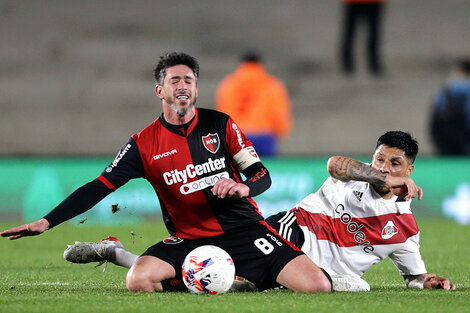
{"type": "Point", "coordinates": [258, 179]}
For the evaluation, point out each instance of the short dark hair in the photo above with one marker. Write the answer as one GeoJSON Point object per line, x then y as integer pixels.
{"type": "Point", "coordinates": [170, 59]}
{"type": "Point", "coordinates": [401, 140]}
{"type": "Point", "coordinates": [251, 56]}
{"type": "Point", "coordinates": [464, 66]}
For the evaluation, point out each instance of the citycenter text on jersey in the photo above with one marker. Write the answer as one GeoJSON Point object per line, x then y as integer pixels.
{"type": "Point", "coordinates": [191, 171]}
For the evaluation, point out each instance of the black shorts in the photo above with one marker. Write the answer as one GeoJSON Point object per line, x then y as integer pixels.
{"type": "Point", "coordinates": [257, 250]}
{"type": "Point", "coordinates": [285, 223]}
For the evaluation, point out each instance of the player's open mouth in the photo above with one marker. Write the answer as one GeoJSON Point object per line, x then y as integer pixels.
{"type": "Point", "coordinates": [182, 97]}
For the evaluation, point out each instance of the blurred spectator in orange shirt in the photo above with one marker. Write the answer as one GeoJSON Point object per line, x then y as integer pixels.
{"type": "Point", "coordinates": [258, 102]}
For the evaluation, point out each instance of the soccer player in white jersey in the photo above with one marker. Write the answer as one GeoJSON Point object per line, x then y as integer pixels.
{"type": "Point", "coordinates": [359, 216]}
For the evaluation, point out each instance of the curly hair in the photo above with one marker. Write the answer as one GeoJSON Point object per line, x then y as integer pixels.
{"type": "Point", "coordinates": [170, 59]}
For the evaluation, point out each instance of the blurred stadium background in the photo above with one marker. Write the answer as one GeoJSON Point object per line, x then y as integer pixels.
{"type": "Point", "coordinates": [76, 82]}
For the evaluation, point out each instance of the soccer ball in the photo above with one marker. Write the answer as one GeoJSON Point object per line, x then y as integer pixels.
{"type": "Point", "coordinates": [208, 270]}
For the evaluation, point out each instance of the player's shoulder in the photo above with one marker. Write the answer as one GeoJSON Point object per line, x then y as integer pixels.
{"type": "Point", "coordinates": [204, 112]}
{"type": "Point", "coordinates": [150, 129]}
{"type": "Point", "coordinates": [212, 117]}
{"type": "Point", "coordinates": [358, 185]}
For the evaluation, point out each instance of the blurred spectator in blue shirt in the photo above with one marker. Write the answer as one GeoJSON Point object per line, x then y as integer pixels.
{"type": "Point", "coordinates": [450, 119]}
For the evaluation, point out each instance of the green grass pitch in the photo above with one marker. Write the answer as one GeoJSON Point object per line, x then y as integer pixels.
{"type": "Point", "coordinates": [35, 278]}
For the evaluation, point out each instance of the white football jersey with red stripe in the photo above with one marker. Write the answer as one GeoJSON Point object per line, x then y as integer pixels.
{"type": "Point", "coordinates": [348, 227]}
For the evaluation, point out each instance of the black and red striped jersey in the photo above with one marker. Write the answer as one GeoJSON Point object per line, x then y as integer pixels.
{"type": "Point", "coordinates": [183, 162]}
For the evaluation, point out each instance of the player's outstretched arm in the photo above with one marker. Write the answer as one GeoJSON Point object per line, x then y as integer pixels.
{"type": "Point", "coordinates": [428, 281]}
{"type": "Point", "coordinates": [30, 229]}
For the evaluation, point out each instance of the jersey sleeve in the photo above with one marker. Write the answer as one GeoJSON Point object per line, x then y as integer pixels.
{"type": "Point", "coordinates": [408, 259]}
{"type": "Point", "coordinates": [78, 202]}
{"type": "Point", "coordinates": [126, 166]}
{"type": "Point", "coordinates": [240, 148]}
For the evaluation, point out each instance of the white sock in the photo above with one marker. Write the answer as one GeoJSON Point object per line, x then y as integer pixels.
{"type": "Point", "coordinates": [124, 258]}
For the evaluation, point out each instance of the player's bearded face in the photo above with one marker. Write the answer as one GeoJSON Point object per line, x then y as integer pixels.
{"type": "Point", "coordinates": [179, 89]}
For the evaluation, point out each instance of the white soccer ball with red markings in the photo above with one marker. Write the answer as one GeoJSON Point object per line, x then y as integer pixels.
{"type": "Point", "coordinates": [208, 270]}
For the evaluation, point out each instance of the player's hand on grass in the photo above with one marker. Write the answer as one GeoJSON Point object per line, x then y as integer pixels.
{"type": "Point", "coordinates": [404, 187]}
{"type": "Point", "coordinates": [228, 188]}
{"type": "Point", "coordinates": [433, 282]}
{"type": "Point", "coordinates": [30, 229]}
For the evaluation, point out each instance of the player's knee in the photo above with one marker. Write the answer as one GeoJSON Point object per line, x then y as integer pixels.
{"type": "Point", "coordinates": [139, 285]}
{"type": "Point", "coordinates": [317, 284]}
{"type": "Point", "coordinates": [134, 284]}
{"type": "Point", "coordinates": [138, 281]}
{"type": "Point", "coordinates": [302, 275]}
{"type": "Point", "coordinates": [323, 284]}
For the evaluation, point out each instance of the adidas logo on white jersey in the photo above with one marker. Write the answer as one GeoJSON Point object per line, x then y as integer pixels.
{"type": "Point", "coordinates": [358, 195]}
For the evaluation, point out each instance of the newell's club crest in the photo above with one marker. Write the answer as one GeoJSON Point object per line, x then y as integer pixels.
{"type": "Point", "coordinates": [211, 142]}
{"type": "Point", "coordinates": [389, 230]}
{"type": "Point", "coordinates": [172, 240]}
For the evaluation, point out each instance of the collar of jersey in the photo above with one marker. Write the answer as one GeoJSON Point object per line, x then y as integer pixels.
{"type": "Point", "coordinates": [182, 130]}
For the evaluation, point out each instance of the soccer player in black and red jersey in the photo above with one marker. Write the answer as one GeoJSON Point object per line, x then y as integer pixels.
{"type": "Point", "coordinates": [193, 158]}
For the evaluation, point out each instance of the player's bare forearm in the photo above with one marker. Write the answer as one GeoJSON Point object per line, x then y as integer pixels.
{"type": "Point", "coordinates": [345, 168]}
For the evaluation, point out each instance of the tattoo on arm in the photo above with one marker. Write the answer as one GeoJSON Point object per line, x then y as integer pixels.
{"type": "Point", "coordinates": [349, 169]}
